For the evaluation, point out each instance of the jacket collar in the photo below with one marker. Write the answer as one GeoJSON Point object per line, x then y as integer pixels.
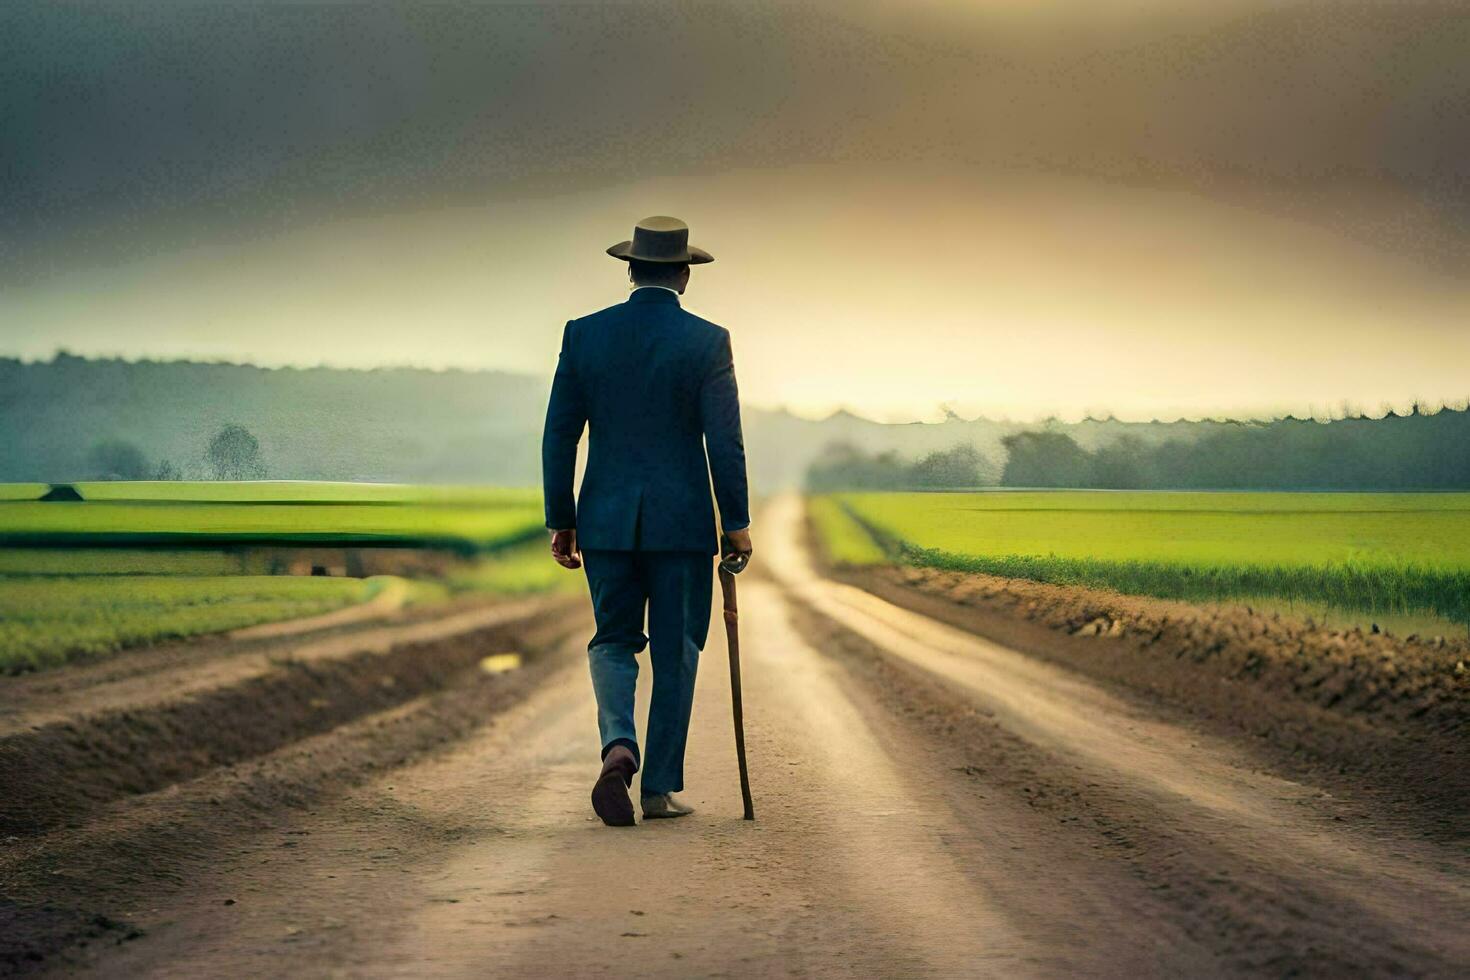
{"type": "Point", "coordinates": [653, 294]}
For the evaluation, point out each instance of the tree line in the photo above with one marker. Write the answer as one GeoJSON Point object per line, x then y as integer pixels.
{"type": "Point", "coordinates": [844, 466]}
{"type": "Point", "coordinates": [1418, 451]}
{"type": "Point", "coordinates": [232, 453]}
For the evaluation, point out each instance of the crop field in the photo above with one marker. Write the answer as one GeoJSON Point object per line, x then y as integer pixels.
{"type": "Point", "coordinates": [524, 569]}
{"type": "Point", "coordinates": [21, 491]}
{"type": "Point", "coordinates": [45, 621]}
{"type": "Point", "coordinates": [137, 563]}
{"type": "Point", "coordinates": [1394, 553]}
{"type": "Point", "coordinates": [465, 518]}
{"type": "Point", "coordinates": [296, 491]}
{"type": "Point", "coordinates": [129, 561]}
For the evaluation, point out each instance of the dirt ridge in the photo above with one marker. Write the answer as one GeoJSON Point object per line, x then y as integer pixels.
{"type": "Point", "coordinates": [133, 749]}
{"type": "Point", "coordinates": [68, 892]}
{"type": "Point", "coordinates": [1359, 711]}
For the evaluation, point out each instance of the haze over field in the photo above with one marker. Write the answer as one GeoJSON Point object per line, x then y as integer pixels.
{"type": "Point", "coordinates": [1155, 209]}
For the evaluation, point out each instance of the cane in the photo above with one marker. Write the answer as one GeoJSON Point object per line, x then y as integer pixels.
{"type": "Point", "coordinates": [729, 568]}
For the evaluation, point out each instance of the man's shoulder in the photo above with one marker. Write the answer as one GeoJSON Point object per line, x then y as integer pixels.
{"type": "Point", "coordinates": [606, 312]}
{"type": "Point", "coordinates": [708, 327]}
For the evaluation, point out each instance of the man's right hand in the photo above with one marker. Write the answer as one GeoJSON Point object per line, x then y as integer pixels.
{"type": "Point", "coordinates": [564, 548]}
{"type": "Point", "coordinates": [737, 543]}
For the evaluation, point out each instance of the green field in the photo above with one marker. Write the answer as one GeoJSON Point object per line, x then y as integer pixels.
{"type": "Point", "coordinates": [51, 613]}
{"type": "Point", "coordinates": [46, 621]}
{"type": "Point", "coordinates": [21, 491]}
{"type": "Point", "coordinates": [523, 570]}
{"type": "Point", "coordinates": [130, 561]}
{"type": "Point", "coordinates": [465, 518]}
{"type": "Point", "coordinates": [138, 563]}
{"type": "Point", "coordinates": [1395, 553]}
{"type": "Point", "coordinates": [299, 491]}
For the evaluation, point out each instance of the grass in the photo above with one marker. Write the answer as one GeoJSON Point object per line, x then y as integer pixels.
{"type": "Point", "coordinates": [129, 561]}
{"type": "Point", "coordinates": [1391, 553]}
{"type": "Point", "coordinates": [299, 491]}
{"type": "Point", "coordinates": [467, 519]}
{"type": "Point", "coordinates": [47, 621]}
{"type": "Point", "coordinates": [468, 528]}
{"type": "Point", "coordinates": [75, 591]}
{"type": "Point", "coordinates": [842, 537]}
{"type": "Point", "coordinates": [521, 570]}
{"type": "Point", "coordinates": [51, 613]}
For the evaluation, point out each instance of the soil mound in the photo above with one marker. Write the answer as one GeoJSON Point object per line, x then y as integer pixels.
{"type": "Point", "coordinates": [1346, 671]}
{"type": "Point", "coordinates": [1360, 712]}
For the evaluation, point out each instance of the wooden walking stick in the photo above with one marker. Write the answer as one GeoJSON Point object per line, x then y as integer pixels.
{"type": "Point", "coordinates": [729, 568]}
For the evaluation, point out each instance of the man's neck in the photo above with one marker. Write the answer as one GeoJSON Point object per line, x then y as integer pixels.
{"type": "Point", "coordinates": [651, 285]}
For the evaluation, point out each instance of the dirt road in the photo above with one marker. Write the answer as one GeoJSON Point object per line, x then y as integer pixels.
{"type": "Point", "coordinates": [928, 804]}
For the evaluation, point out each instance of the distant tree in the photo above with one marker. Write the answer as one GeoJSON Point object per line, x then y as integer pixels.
{"type": "Point", "coordinates": [1122, 464]}
{"type": "Point", "coordinates": [1045, 459]}
{"type": "Point", "coordinates": [962, 466]}
{"type": "Point", "coordinates": [234, 454]}
{"type": "Point", "coordinates": [117, 459]}
{"type": "Point", "coordinates": [167, 471]}
{"type": "Point", "coordinates": [842, 466]}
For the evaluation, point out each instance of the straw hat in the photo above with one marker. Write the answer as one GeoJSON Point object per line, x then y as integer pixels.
{"type": "Point", "coordinates": [660, 239]}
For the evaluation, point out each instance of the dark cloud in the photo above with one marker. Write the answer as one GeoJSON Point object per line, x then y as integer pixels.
{"type": "Point", "coordinates": [163, 123]}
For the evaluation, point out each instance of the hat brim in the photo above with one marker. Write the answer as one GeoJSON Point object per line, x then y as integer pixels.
{"type": "Point", "coordinates": [692, 255]}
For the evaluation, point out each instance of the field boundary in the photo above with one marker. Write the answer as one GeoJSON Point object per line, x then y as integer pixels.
{"type": "Point", "coordinates": [1385, 589]}
{"type": "Point", "coordinates": [1411, 589]}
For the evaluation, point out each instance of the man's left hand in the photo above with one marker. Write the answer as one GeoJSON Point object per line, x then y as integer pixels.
{"type": "Point", "coordinates": [564, 548]}
{"type": "Point", "coordinates": [736, 544]}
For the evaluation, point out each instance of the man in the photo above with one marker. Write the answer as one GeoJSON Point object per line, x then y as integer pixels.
{"type": "Point", "coordinates": [655, 386]}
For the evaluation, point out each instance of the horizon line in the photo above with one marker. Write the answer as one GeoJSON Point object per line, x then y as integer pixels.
{"type": "Point", "coordinates": [1347, 410]}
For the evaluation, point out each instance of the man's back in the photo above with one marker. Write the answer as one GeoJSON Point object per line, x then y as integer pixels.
{"type": "Point", "coordinates": [652, 383]}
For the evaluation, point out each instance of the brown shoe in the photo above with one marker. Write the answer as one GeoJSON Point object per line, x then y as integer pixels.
{"type": "Point", "coordinates": [610, 797]}
{"type": "Point", "coordinates": [663, 805]}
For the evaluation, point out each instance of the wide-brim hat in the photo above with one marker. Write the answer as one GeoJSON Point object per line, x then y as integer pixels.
{"type": "Point", "coordinates": [660, 239]}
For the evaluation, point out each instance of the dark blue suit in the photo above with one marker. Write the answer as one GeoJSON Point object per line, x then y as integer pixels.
{"type": "Point", "coordinates": [655, 387]}
{"type": "Point", "coordinates": [656, 384]}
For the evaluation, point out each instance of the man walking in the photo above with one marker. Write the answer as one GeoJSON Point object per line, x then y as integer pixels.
{"type": "Point", "coordinates": [654, 386]}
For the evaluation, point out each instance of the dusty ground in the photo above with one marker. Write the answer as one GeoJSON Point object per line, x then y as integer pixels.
{"type": "Point", "coordinates": [929, 803]}
{"type": "Point", "coordinates": [1376, 717]}
{"type": "Point", "coordinates": [1357, 674]}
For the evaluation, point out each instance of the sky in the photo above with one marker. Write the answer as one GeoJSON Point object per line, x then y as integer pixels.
{"type": "Point", "coordinates": [1004, 208]}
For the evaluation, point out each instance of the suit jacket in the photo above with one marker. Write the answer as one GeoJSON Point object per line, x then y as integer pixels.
{"type": "Point", "coordinates": [655, 386]}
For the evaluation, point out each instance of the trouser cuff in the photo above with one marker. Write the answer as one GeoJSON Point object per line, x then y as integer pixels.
{"type": "Point", "coordinates": [631, 746]}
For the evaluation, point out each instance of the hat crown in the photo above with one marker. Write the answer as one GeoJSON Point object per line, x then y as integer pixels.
{"type": "Point", "coordinates": [661, 237]}
{"type": "Point", "coordinates": [662, 222]}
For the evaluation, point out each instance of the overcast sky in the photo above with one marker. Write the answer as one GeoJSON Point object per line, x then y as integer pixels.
{"type": "Point", "coordinates": [1010, 207]}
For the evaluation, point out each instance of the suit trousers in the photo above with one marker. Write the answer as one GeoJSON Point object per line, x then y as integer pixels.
{"type": "Point", "coordinates": [672, 589]}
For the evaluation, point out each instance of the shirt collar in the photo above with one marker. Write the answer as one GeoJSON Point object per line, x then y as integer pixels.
{"type": "Point", "coordinates": [654, 294]}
